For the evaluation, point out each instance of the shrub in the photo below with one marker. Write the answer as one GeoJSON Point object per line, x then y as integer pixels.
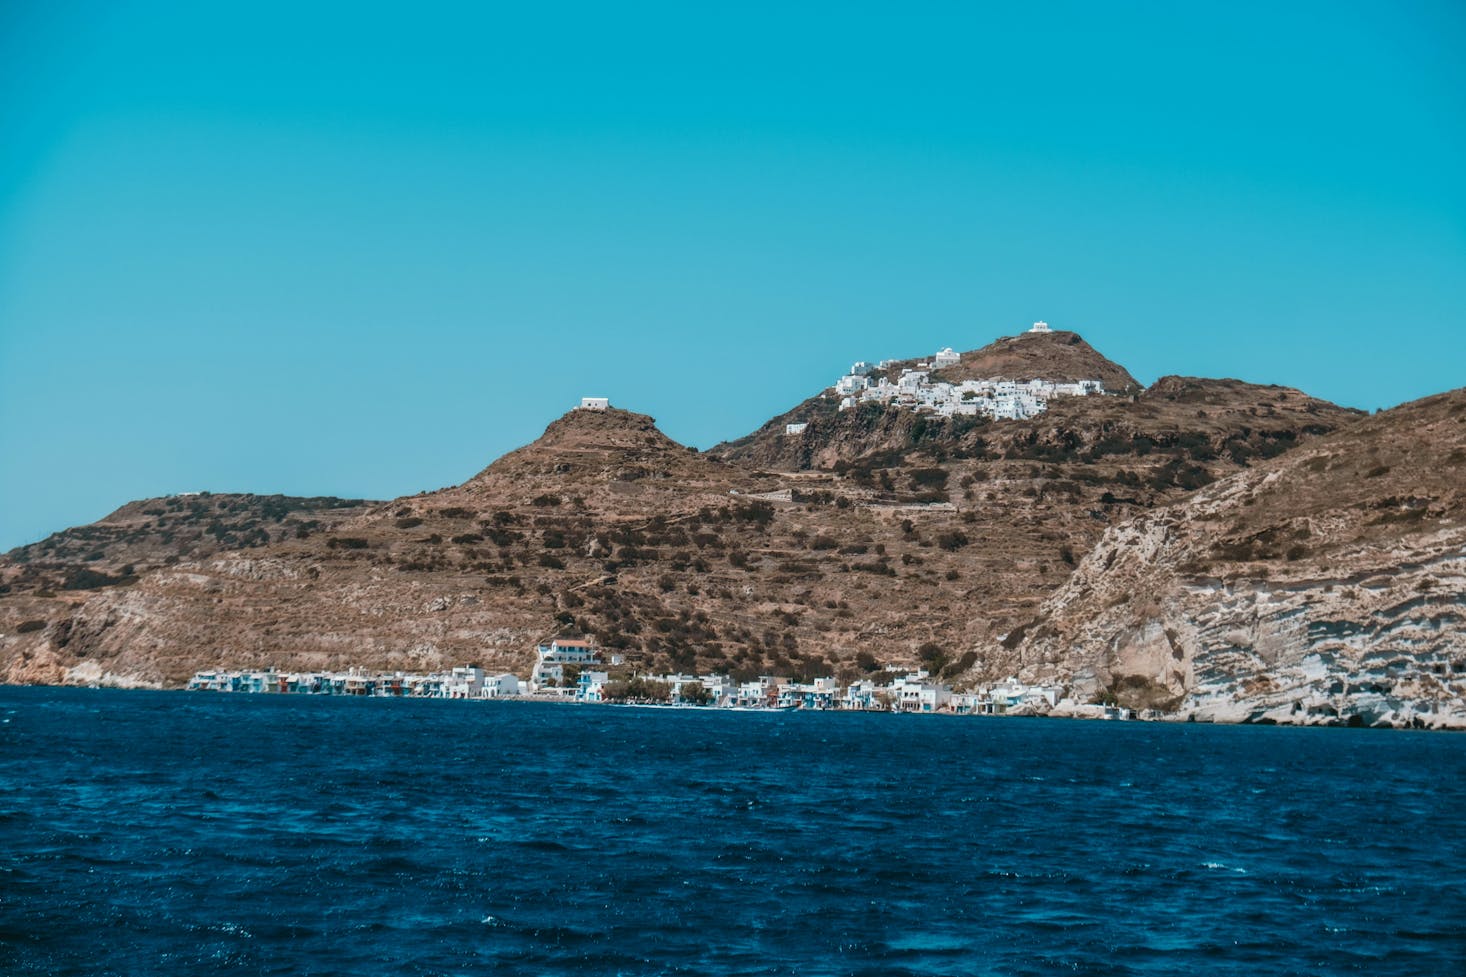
{"type": "Point", "coordinates": [929, 477]}
{"type": "Point", "coordinates": [932, 656]}
{"type": "Point", "coordinates": [408, 522]}
{"type": "Point", "coordinates": [26, 627]}
{"type": "Point", "coordinates": [545, 501]}
{"type": "Point", "coordinates": [455, 512]}
{"type": "Point", "coordinates": [758, 512]}
{"type": "Point", "coordinates": [551, 561]}
{"type": "Point", "coordinates": [83, 578]}
{"type": "Point", "coordinates": [954, 540]}
{"type": "Point", "coordinates": [348, 543]}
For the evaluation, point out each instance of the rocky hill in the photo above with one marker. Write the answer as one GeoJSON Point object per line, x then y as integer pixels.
{"type": "Point", "coordinates": [1325, 586]}
{"type": "Point", "coordinates": [1057, 355]}
{"type": "Point", "coordinates": [151, 533]}
{"type": "Point", "coordinates": [878, 554]}
{"type": "Point", "coordinates": [1237, 419]}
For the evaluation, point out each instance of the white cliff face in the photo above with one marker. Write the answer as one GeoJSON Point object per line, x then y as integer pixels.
{"type": "Point", "coordinates": [1257, 601]}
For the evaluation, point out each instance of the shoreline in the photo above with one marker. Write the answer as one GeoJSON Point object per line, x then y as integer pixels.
{"type": "Point", "coordinates": [1055, 714]}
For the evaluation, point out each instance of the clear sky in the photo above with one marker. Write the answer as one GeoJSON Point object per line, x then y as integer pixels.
{"type": "Point", "coordinates": [358, 249]}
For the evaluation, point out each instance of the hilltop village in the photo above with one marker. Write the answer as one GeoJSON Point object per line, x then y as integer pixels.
{"type": "Point", "coordinates": [567, 670]}
{"type": "Point", "coordinates": [922, 389]}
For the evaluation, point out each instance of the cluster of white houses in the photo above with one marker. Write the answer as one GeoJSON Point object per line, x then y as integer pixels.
{"type": "Point", "coordinates": [573, 670]}
{"type": "Point", "coordinates": [464, 682]}
{"type": "Point", "coordinates": [917, 390]}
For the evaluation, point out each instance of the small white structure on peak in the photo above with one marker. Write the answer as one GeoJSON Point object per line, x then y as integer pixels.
{"type": "Point", "coordinates": [594, 403]}
{"type": "Point", "coordinates": [795, 428]}
{"type": "Point", "coordinates": [1040, 327]}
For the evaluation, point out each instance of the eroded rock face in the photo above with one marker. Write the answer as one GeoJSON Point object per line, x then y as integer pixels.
{"type": "Point", "coordinates": [1328, 586]}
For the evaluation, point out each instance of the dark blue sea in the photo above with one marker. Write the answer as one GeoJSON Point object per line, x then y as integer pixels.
{"type": "Point", "coordinates": [198, 833]}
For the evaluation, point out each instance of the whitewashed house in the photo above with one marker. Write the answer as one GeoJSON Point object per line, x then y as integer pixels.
{"type": "Point", "coordinates": [591, 686]}
{"type": "Point", "coordinates": [795, 428]}
{"type": "Point", "coordinates": [1011, 692]}
{"type": "Point", "coordinates": [594, 403]}
{"type": "Point", "coordinates": [465, 682]}
{"type": "Point", "coordinates": [499, 686]}
{"type": "Point", "coordinates": [819, 694]}
{"type": "Point", "coordinates": [946, 358]}
{"type": "Point", "coordinates": [722, 688]}
{"type": "Point", "coordinates": [914, 693]}
{"type": "Point", "coordinates": [551, 659]}
{"type": "Point", "coordinates": [860, 695]}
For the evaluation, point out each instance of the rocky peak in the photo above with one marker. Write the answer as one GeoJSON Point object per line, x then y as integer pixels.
{"type": "Point", "coordinates": [591, 442]}
{"type": "Point", "coordinates": [1058, 355]}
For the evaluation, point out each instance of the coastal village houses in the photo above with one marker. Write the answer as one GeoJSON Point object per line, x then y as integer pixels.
{"type": "Point", "coordinates": [572, 669]}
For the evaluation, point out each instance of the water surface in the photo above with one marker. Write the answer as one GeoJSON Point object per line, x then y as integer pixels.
{"type": "Point", "coordinates": [201, 833]}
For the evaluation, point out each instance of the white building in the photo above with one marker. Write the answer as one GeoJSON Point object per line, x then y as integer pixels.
{"type": "Point", "coordinates": [465, 682]}
{"type": "Point", "coordinates": [914, 693]}
{"type": "Point", "coordinates": [1011, 692]}
{"type": "Point", "coordinates": [594, 403]}
{"type": "Point", "coordinates": [1040, 327]}
{"type": "Point", "coordinates": [795, 428]}
{"type": "Point", "coordinates": [946, 358]}
{"type": "Point", "coordinates": [498, 686]}
{"type": "Point", "coordinates": [591, 686]}
{"type": "Point", "coordinates": [549, 666]}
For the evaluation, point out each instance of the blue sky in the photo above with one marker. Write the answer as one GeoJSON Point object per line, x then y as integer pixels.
{"type": "Point", "coordinates": [362, 250]}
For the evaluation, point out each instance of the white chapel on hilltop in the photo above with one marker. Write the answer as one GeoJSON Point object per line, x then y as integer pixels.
{"type": "Point", "coordinates": [1040, 327]}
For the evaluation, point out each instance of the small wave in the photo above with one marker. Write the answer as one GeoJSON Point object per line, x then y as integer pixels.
{"type": "Point", "coordinates": [540, 844]}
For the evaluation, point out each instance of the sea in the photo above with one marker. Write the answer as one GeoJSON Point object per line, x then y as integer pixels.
{"type": "Point", "coordinates": [203, 833]}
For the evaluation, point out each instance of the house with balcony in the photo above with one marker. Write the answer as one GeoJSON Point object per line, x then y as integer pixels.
{"type": "Point", "coordinates": [551, 659]}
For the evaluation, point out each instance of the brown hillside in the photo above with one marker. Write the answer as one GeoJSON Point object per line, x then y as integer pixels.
{"type": "Point", "coordinates": [1053, 356]}
{"type": "Point", "coordinates": [605, 527]}
{"type": "Point", "coordinates": [1327, 585]}
{"type": "Point", "coordinates": [1058, 355]}
{"type": "Point", "coordinates": [151, 533]}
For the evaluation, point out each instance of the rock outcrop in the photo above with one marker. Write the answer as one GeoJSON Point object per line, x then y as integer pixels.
{"type": "Point", "coordinates": [1326, 586]}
